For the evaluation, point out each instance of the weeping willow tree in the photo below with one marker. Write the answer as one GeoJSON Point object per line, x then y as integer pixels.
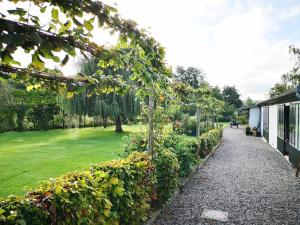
{"type": "Point", "coordinates": [119, 108]}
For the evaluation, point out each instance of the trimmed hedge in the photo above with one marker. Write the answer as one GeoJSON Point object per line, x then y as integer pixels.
{"type": "Point", "coordinates": [118, 192]}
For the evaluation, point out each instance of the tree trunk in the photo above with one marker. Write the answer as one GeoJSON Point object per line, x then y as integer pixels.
{"type": "Point", "coordinates": [118, 124]}
{"type": "Point", "coordinates": [217, 122]}
{"type": "Point", "coordinates": [105, 121]}
{"type": "Point", "coordinates": [150, 125]}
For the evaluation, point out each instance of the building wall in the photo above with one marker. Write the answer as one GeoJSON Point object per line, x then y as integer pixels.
{"type": "Point", "coordinates": [261, 121]}
{"type": "Point", "coordinates": [273, 125]}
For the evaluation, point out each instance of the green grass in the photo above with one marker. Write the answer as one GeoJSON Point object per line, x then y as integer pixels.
{"type": "Point", "coordinates": [225, 124]}
{"type": "Point", "coordinates": [29, 157]}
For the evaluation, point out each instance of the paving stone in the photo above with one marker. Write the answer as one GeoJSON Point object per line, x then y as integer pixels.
{"type": "Point", "coordinates": [214, 215]}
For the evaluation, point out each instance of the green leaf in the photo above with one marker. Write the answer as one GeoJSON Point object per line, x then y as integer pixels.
{"type": "Point", "coordinates": [119, 191]}
{"type": "Point", "coordinates": [29, 88]}
{"type": "Point", "coordinates": [65, 60]}
{"type": "Point", "coordinates": [70, 94]}
{"type": "Point", "coordinates": [54, 13]}
{"type": "Point", "coordinates": [17, 11]}
{"type": "Point", "coordinates": [77, 22]}
{"type": "Point", "coordinates": [36, 38]}
{"type": "Point", "coordinates": [88, 25]}
{"type": "Point", "coordinates": [37, 62]}
{"type": "Point", "coordinates": [43, 9]}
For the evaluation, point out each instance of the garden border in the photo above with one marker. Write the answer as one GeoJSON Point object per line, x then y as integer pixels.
{"type": "Point", "coordinates": [155, 214]}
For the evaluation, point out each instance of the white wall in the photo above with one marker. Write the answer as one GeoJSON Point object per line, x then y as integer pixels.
{"type": "Point", "coordinates": [273, 125]}
{"type": "Point", "coordinates": [262, 121]}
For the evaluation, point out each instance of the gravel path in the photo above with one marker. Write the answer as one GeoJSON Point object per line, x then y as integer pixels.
{"type": "Point", "coordinates": [246, 178]}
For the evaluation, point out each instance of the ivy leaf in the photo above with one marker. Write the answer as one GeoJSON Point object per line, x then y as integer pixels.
{"type": "Point", "coordinates": [54, 13]}
{"type": "Point", "coordinates": [65, 60]}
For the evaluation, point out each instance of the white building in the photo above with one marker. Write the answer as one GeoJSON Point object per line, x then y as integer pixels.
{"type": "Point", "coordinates": [279, 123]}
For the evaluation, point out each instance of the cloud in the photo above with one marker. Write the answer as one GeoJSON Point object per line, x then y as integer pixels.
{"type": "Point", "coordinates": [242, 43]}
{"type": "Point", "coordinates": [235, 42]}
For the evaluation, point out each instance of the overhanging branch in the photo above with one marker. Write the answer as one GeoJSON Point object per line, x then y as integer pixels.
{"type": "Point", "coordinates": [99, 81]}
{"type": "Point", "coordinates": [24, 30]}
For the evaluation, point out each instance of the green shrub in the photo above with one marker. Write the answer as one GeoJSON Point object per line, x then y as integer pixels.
{"type": "Point", "coordinates": [185, 153]}
{"type": "Point", "coordinates": [96, 196]}
{"type": "Point", "coordinates": [167, 168]}
{"type": "Point", "coordinates": [209, 140]}
{"type": "Point", "coordinates": [242, 119]}
{"type": "Point", "coordinates": [134, 143]}
{"type": "Point", "coordinates": [172, 140]}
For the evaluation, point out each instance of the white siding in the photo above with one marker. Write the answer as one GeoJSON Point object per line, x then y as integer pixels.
{"type": "Point", "coordinates": [273, 125]}
{"type": "Point", "coordinates": [261, 121]}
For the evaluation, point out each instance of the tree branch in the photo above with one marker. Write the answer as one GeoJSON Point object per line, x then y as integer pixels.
{"type": "Point", "coordinates": [101, 81]}
{"type": "Point", "coordinates": [23, 30]}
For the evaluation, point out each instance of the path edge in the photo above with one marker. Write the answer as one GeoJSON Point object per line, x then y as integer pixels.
{"type": "Point", "coordinates": [155, 214]}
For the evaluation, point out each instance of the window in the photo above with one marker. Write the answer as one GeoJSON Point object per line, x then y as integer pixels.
{"type": "Point", "coordinates": [280, 125]}
{"type": "Point", "coordinates": [294, 126]}
{"type": "Point", "coordinates": [266, 118]}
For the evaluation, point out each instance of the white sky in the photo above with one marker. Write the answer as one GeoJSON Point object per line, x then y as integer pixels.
{"type": "Point", "coordinates": [242, 43]}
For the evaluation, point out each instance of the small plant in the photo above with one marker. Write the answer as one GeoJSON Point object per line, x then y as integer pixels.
{"type": "Point", "coordinates": [248, 130]}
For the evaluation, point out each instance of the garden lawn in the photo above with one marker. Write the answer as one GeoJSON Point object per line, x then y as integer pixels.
{"type": "Point", "coordinates": [29, 157]}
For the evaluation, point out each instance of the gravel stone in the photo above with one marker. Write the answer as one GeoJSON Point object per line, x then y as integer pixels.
{"type": "Point", "coordinates": [245, 177]}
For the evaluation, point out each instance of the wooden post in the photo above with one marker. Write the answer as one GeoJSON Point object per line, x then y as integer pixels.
{"type": "Point", "coordinates": [150, 125]}
{"type": "Point", "coordinates": [198, 122]}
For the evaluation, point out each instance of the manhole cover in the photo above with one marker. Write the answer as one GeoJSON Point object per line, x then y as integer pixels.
{"type": "Point", "coordinates": [214, 215]}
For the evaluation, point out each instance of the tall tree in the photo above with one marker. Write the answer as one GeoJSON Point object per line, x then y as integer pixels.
{"type": "Point", "coordinates": [279, 88]}
{"type": "Point", "coordinates": [231, 96]}
{"type": "Point", "coordinates": [249, 102]}
{"type": "Point", "coordinates": [191, 75]}
{"type": "Point", "coordinates": [217, 93]}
